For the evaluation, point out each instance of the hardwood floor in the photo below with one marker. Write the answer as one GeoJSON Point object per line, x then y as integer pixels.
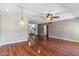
{"type": "Point", "coordinates": [41, 46]}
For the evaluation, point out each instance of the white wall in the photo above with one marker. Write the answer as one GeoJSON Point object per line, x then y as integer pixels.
{"type": "Point", "coordinates": [0, 28]}
{"type": "Point", "coordinates": [66, 29]}
{"type": "Point", "coordinates": [11, 31]}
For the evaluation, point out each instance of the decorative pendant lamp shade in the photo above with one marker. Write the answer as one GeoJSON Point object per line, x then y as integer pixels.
{"type": "Point", "coordinates": [21, 22]}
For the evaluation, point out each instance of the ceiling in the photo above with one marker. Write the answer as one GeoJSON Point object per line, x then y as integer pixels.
{"type": "Point", "coordinates": [35, 12]}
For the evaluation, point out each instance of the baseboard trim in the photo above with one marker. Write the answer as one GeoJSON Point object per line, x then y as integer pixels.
{"type": "Point", "coordinates": [65, 39]}
{"type": "Point", "coordinates": [12, 42]}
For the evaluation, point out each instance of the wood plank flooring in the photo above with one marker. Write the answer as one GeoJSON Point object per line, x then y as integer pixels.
{"type": "Point", "coordinates": [41, 46]}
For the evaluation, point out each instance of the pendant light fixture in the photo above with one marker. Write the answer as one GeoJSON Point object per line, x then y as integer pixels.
{"type": "Point", "coordinates": [21, 22]}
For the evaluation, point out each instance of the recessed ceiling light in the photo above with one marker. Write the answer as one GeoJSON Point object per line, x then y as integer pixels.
{"type": "Point", "coordinates": [7, 10]}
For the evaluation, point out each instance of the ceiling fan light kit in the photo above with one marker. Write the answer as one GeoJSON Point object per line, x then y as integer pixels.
{"type": "Point", "coordinates": [49, 16]}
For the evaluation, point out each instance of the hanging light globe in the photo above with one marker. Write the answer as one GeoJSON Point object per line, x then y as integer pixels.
{"type": "Point", "coordinates": [21, 22]}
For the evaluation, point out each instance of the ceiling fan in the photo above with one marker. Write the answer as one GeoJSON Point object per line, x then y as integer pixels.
{"type": "Point", "coordinates": [50, 16]}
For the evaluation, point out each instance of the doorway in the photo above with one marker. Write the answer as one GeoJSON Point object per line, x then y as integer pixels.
{"type": "Point", "coordinates": [43, 30]}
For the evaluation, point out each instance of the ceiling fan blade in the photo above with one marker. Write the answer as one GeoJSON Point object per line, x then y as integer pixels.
{"type": "Point", "coordinates": [55, 17]}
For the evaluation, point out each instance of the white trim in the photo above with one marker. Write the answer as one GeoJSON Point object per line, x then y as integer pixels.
{"type": "Point", "coordinates": [12, 42]}
{"type": "Point", "coordinates": [64, 39]}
